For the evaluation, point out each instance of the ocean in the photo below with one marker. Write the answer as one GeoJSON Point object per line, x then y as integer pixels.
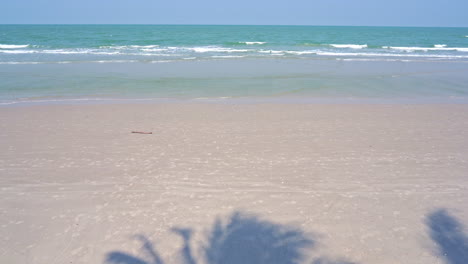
{"type": "Point", "coordinates": [59, 63]}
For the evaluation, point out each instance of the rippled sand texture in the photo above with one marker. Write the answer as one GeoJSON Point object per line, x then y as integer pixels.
{"type": "Point", "coordinates": [76, 184]}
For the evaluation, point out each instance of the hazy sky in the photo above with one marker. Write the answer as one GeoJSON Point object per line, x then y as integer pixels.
{"type": "Point", "coordinates": [257, 12]}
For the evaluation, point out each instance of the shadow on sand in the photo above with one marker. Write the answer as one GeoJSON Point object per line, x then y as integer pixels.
{"type": "Point", "coordinates": [246, 239]}
{"type": "Point", "coordinates": [447, 232]}
{"type": "Point", "coordinates": [242, 239]}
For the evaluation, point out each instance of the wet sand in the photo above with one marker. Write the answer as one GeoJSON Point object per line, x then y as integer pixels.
{"type": "Point", "coordinates": [365, 183]}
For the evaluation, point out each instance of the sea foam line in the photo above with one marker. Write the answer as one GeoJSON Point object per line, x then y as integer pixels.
{"type": "Point", "coordinates": [17, 51]}
{"type": "Point", "coordinates": [130, 47]}
{"type": "Point", "coordinates": [68, 62]}
{"type": "Point", "coordinates": [215, 49]}
{"type": "Point", "coordinates": [435, 48]}
{"type": "Point", "coordinates": [349, 46]}
{"type": "Point", "coordinates": [273, 51]}
{"type": "Point", "coordinates": [367, 59]}
{"type": "Point", "coordinates": [8, 46]}
{"type": "Point", "coordinates": [253, 42]}
{"type": "Point", "coordinates": [305, 52]}
{"type": "Point", "coordinates": [226, 56]}
{"type": "Point", "coordinates": [365, 54]}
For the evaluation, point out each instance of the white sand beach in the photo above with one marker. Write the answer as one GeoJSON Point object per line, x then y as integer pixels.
{"type": "Point", "coordinates": [363, 183]}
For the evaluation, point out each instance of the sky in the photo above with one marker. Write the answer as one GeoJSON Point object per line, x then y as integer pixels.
{"type": "Point", "coordinates": [443, 13]}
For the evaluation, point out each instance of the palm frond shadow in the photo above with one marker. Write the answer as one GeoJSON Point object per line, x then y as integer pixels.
{"type": "Point", "coordinates": [243, 238]}
{"type": "Point", "coordinates": [246, 239]}
{"type": "Point", "coordinates": [148, 250]}
{"type": "Point", "coordinates": [447, 232]}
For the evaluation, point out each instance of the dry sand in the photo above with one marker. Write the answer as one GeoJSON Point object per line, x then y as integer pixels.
{"type": "Point", "coordinates": [364, 182]}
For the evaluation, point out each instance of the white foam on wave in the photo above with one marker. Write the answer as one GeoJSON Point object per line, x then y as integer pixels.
{"type": "Point", "coordinates": [215, 49]}
{"type": "Point", "coordinates": [283, 52]}
{"type": "Point", "coordinates": [349, 46]}
{"type": "Point", "coordinates": [17, 51]}
{"type": "Point", "coordinates": [154, 50]}
{"type": "Point", "coordinates": [67, 62]}
{"type": "Point", "coordinates": [253, 42]}
{"type": "Point", "coordinates": [9, 46]}
{"type": "Point", "coordinates": [368, 54]}
{"type": "Point", "coordinates": [272, 51]}
{"type": "Point", "coordinates": [160, 61]}
{"type": "Point", "coordinates": [367, 59]}
{"type": "Point", "coordinates": [153, 54]}
{"type": "Point", "coordinates": [435, 48]}
{"type": "Point", "coordinates": [305, 52]}
{"type": "Point", "coordinates": [20, 62]}
{"type": "Point", "coordinates": [440, 46]}
{"type": "Point", "coordinates": [79, 51]}
{"type": "Point", "coordinates": [130, 47]}
{"type": "Point", "coordinates": [61, 51]}
{"type": "Point", "coordinates": [227, 56]}
{"type": "Point", "coordinates": [113, 61]}
{"type": "Point", "coordinates": [144, 46]}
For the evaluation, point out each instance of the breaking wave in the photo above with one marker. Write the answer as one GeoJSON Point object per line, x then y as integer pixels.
{"type": "Point", "coordinates": [17, 54]}
{"type": "Point", "coordinates": [349, 46]}
{"type": "Point", "coordinates": [435, 48]}
{"type": "Point", "coordinates": [9, 46]}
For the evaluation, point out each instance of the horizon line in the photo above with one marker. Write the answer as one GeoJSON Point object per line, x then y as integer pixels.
{"type": "Point", "coordinates": [182, 24]}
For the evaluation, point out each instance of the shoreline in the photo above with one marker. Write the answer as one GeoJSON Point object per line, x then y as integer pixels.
{"type": "Point", "coordinates": [279, 100]}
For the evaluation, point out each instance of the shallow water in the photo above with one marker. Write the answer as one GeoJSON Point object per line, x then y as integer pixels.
{"type": "Point", "coordinates": [236, 79]}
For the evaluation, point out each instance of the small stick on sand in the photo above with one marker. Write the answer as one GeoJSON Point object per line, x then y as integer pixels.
{"type": "Point", "coordinates": [140, 132]}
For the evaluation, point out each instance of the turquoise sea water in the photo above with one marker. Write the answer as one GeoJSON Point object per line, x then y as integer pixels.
{"type": "Point", "coordinates": [63, 62]}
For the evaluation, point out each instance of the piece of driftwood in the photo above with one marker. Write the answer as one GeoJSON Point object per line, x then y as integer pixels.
{"type": "Point", "coordinates": [141, 132]}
